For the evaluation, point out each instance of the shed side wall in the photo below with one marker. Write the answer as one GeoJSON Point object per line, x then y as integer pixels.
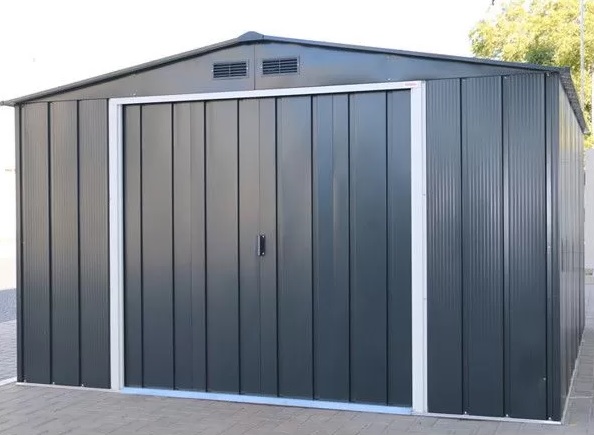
{"type": "Point", "coordinates": [570, 238]}
{"type": "Point", "coordinates": [63, 261]}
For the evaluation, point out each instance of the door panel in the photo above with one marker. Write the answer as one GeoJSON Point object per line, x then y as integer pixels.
{"type": "Point", "coordinates": [249, 227]}
{"type": "Point", "coordinates": [189, 246]}
{"type": "Point", "coordinates": [268, 263]}
{"type": "Point", "coordinates": [294, 247]}
{"type": "Point", "coordinates": [157, 246]}
{"type": "Point", "coordinates": [325, 312]}
{"type": "Point", "coordinates": [222, 278]}
{"type": "Point", "coordinates": [331, 246]}
{"type": "Point", "coordinates": [132, 249]}
{"type": "Point", "coordinates": [399, 249]}
{"type": "Point", "coordinates": [368, 248]}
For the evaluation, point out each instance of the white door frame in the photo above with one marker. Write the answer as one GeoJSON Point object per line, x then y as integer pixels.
{"type": "Point", "coordinates": [418, 236]}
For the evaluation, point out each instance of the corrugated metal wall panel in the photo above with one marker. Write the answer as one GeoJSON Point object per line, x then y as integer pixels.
{"type": "Point", "coordinates": [399, 249]}
{"type": "Point", "coordinates": [198, 237]}
{"type": "Point", "coordinates": [222, 278]}
{"type": "Point", "coordinates": [331, 246]}
{"type": "Point", "coordinates": [525, 267]}
{"type": "Point", "coordinates": [157, 246]}
{"type": "Point", "coordinates": [554, 402]}
{"type": "Point", "coordinates": [182, 246]}
{"type": "Point", "coordinates": [64, 242]}
{"type": "Point", "coordinates": [19, 241]}
{"type": "Point", "coordinates": [368, 164]}
{"type": "Point", "coordinates": [268, 263]}
{"type": "Point", "coordinates": [133, 247]}
{"type": "Point", "coordinates": [444, 247]}
{"type": "Point", "coordinates": [94, 249]}
{"type": "Point", "coordinates": [249, 228]}
{"type": "Point", "coordinates": [482, 246]}
{"type": "Point", "coordinates": [36, 277]}
{"type": "Point", "coordinates": [294, 207]}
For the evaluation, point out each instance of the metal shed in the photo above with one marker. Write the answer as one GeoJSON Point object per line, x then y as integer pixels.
{"type": "Point", "coordinates": [292, 222]}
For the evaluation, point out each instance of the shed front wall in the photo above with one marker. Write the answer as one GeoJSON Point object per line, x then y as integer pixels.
{"type": "Point", "coordinates": [487, 308]}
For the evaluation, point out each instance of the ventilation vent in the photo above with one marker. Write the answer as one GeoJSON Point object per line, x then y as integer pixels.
{"type": "Point", "coordinates": [283, 65]}
{"type": "Point", "coordinates": [229, 70]}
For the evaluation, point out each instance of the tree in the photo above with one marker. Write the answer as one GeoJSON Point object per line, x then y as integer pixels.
{"type": "Point", "coordinates": [545, 32]}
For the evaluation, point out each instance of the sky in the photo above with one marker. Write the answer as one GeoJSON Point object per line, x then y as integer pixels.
{"type": "Point", "coordinates": [50, 43]}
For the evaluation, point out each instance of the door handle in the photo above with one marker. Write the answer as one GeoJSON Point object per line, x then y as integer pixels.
{"type": "Point", "coordinates": [261, 245]}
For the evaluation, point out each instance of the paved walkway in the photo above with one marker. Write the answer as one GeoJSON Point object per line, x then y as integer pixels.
{"type": "Point", "coordinates": [7, 305]}
{"type": "Point", "coordinates": [40, 410]}
{"type": "Point", "coordinates": [7, 334]}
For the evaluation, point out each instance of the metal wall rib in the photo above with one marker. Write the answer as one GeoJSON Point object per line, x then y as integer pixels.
{"type": "Point", "coordinates": [482, 245]}
{"type": "Point", "coordinates": [524, 129]}
{"type": "Point", "coordinates": [64, 236]}
{"type": "Point", "coordinates": [93, 244]}
{"type": "Point", "coordinates": [19, 242]}
{"type": "Point", "coordinates": [36, 309]}
{"type": "Point", "coordinates": [444, 247]}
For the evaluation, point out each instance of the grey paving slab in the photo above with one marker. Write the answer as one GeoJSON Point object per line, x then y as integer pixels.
{"type": "Point", "coordinates": [42, 410]}
{"type": "Point", "coordinates": [7, 350]}
{"type": "Point", "coordinates": [7, 305]}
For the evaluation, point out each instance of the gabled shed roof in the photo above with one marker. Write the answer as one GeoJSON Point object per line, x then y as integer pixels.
{"type": "Point", "coordinates": [254, 37]}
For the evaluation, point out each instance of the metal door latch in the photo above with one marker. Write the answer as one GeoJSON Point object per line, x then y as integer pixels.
{"type": "Point", "coordinates": [261, 245]}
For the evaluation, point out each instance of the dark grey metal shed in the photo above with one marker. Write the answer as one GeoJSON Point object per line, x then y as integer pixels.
{"type": "Point", "coordinates": [292, 222]}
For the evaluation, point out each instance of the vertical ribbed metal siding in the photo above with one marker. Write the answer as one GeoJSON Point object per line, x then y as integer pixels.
{"type": "Point", "coordinates": [19, 239]}
{"type": "Point", "coordinates": [570, 240]}
{"type": "Point", "coordinates": [93, 243]}
{"type": "Point", "coordinates": [36, 244]}
{"type": "Point", "coordinates": [444, 247]}
{"type": "Point", "coordinates": [487, 297]}
{"type": "Point", "coordinates": [482, 246]}
{"type": "Point", "coordinates": [554, 402]}
{"type": "Point", "coordinates": [525, 239]}
{"type": "Point", "coordinates": [64, 242]}
{"type": "Point", "coordinates": [64, 177]}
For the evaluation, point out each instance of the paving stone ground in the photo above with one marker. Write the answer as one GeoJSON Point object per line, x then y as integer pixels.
{"type": "Point", "coordinates": [7, 305]}
{"type": "Point", "coordinates": [42, 410]}
{"type": "Point", "coordinates": [7, 350]}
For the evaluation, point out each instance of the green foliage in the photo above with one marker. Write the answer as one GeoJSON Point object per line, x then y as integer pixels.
{"type": "Point", "coordinates": [545, 32]}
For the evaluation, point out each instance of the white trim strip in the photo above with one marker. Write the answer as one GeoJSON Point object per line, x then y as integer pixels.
{"type": "Point", "coordinates": [419, 249]}
{"type": "Point", "coordinates": [265, 93]}
{"type": "Point", "coordinates": [116, 302]}
{"type": "Point", "coordinates": [487, 418]}
{"type": "Point", "coordinates": [263, 400]}
{"type": "Point", "coordinates": [7, 381]}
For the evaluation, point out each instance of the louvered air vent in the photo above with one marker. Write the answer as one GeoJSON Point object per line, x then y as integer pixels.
{"type": "Point", "coordinates": [229, 70]}
{"type": "Point", "coordinates": [282, 65]}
